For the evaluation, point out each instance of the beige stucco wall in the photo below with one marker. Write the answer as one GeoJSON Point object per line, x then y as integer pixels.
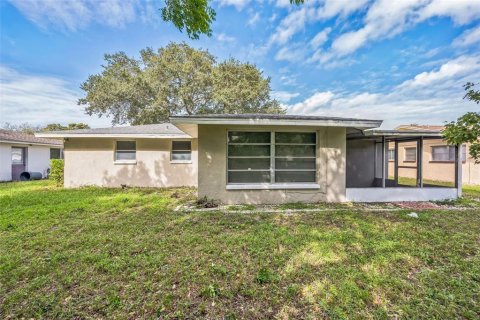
{"type": "Point", "coordinates": [212, 162]}
{"type": "Point", "coordinates": [90, 161]}
{"type": "Point", "coordinates": [439, 171]}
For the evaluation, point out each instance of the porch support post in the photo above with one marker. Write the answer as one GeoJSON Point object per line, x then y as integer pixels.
{"type": "Point", "coordinates": [396, 163]}
{"type": "Point", "coordinates": [458, 170]}
{"type": "Point", "coordinates": [384, 150]}
{"type": "Point", "coordinates": [420, 162]}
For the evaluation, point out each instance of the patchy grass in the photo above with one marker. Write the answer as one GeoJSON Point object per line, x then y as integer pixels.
{"type": "Point", "coordinates": [105, 253]}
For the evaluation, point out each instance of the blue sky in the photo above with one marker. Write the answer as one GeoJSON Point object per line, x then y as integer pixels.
{"type": "Point", "coordinates": [401, 61]}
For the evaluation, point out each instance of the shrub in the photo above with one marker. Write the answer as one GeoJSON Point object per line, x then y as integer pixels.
{"type": "Point", "coordinates": [56, 170]}
{"type": "Point", "coordinates": [206, 203]}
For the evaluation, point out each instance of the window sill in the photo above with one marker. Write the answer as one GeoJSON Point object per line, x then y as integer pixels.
{"type": "Point", "coordinates": [272, 186]}
{"type": "Point", "coordinates": [181, 161]}
{"type": "Point", "coordinates": [125, 162]}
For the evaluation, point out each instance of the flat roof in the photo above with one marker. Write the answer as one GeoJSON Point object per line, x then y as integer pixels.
{"type": "Point", "coordinates": [8, 136]}
{"type": "Point", "coordinates": [164, 130]}
{"type": "Point", "coordinates": [402, 133]}
{"type": "Point", "coordinates": [276, 119]}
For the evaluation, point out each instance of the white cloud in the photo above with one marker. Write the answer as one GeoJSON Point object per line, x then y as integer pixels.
{"type": "Point", "coordinates": [468, 37]}
{"type": "Point", "coordinates": [320, 38]}
{"type": "Point", "coordinates": [76, 15]}
{"type": "Point", "coordinates": [293, 53]}
{"type": "Point", "coordinates": [386, 18]}
{"type": "Point", "coordinates": [253, 19]}
{"type": "Point", "coordinates": [238, 4]}
{"type": "Point", "coordinates": [430, 97]}
{"type": "Point", "coordinates": [40, 100]}
{"type": "Point", "coordinates": [332, 8]}
{"type": "Point", "coordinates": [222, 37]}
{"type": "Point", "coordinates": [284, 96]}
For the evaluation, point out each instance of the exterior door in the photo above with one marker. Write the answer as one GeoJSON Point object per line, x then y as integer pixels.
{"type": "Point", "coordinates": [19, 162]}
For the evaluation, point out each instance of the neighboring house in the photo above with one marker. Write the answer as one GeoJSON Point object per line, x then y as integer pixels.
{"type": "Point", "coordinates": [438, 159]}
{"type": "Point", "coordinates": [248, 158]}
{"type": "Point", "coordinates": [21, 152]}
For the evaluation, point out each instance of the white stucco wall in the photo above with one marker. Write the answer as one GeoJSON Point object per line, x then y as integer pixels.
{"type": "Point", "coordinates": [90, 161]}
{"type": "Point", "coordinates": [38, 159]}
{"type": "Point", "coordinates": [5, 162]}
{"type": "Point", "coordinates": [212, 164]}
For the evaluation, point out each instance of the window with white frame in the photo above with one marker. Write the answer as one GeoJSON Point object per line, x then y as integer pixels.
{"type": "Point", "coordinates": [56, 153]}
{"type": "Point", "coordinates": [271, 157]}
{"type": "Point", "coordinates": [447, 153]}
{"type": "Point", "coordinates": [411, 154]}
{"type": "Point", "coordinates": [391, 154]}
{"type": "Point", "coordinates": [125, 151]}
{"type": "Point", "coordinates": [181, 151]}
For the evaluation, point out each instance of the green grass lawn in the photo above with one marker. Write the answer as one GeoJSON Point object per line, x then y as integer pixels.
{"type": "Point", "coordinates": [104, 253]}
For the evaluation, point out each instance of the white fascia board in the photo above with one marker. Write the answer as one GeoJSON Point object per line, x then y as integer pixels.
{"type": "Point", "coordinates": [402, 134]}
{"type": "Point", "coordinates": [31, 143]}
{"type": "Point", "coordinates": [122, 135]}
{"type": "Point", "coordinates": [365, 124]}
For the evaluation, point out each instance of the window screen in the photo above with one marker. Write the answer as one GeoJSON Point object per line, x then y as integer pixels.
{"type": "Point", "coordinates": [411, 154]}
{"type": "Point", "coordinates": [181, 151]}
{"type": "Point", "coordinates": [447, 153]}
{"type": "Point", "coordinates": [266, 157]}
{"type": "Point", "coordinates": [56, 153]}
{"type": "Point", "coordinates": [18, 156]}
{"type": "Point", "coordinates": [126, 151]}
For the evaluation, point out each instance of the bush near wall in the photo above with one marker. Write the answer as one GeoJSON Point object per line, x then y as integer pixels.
{"type": "Point", "coordinates": [56, 170]}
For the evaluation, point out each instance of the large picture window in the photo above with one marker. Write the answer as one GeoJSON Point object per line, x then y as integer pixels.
{"type": "Point", "coordinates": [271, 157]}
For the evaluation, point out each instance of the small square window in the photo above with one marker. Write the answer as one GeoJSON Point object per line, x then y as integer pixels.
{"type": "Point", "coordinates": [126, 151]}
{"type": "Point", "coordinates": [411, 154]}
{"type": "Point", "coordinates": [181, 151]}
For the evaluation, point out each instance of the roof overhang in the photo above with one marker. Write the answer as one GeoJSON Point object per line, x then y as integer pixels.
{"type": "Point", "coordinates": [334, 122]}
{"type": "Point", "coordinates": [401, 133]}
{"type": "Point", "coordinates": [113, 135]}
{"type": "Point", "coordinates": [32, 143]}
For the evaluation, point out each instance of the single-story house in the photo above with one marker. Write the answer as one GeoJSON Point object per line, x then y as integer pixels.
{"type": "Point", "coordinates": [251, 158]}
{"type": "Point", "coordinates": [20, 152]}
{"type": "Point", "coordinates": [438, 160]}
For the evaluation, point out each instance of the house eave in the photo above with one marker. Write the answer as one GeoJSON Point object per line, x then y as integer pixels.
{"type": "Point", "coordinates": [31, 143]}
{"type": "Point", "coordinates": [361, 124]}
{"type": "Point", "coordinates": [118, 135]}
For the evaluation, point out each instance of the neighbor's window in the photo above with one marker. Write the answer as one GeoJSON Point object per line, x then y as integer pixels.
{"type": "Point", "coordinates": [18, 155]}
{"type": "Point", "coordinates": [411, 154]}
{"type": "Point", "coordinates": [181, 151]}
{"type": "Point", "coordinates": [266, 157]}
{"type": "Point", "coordinates": [56, 153]}
{"type": "Point", "coordinates": [125, 151]}
{"type": "Point", "coordinates": [447, 153]}
{"type": "Point", "coordinates": [391, 154]}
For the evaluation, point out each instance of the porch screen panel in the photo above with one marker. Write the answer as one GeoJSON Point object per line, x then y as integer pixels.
{"type": "Point", "coordinates": [249, 157]}
{"type": "Point", "coordinates": [295, 157]}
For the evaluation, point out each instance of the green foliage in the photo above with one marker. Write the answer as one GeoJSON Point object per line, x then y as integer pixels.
{"type": "Point", "coordinates": [265, 276]}
{"type": "Point", "coordinates": [467, 128]}
{"type": "Point", "coordinates": [194, 16]}
{"type": "Point", "coordinates": [25, 127]}
{"type": "Point", "coordinates": [176, 79]}
{"type": "Point", "coordinates": [70, 126]}
{"type": "Point", "coordinates": [56, 170]}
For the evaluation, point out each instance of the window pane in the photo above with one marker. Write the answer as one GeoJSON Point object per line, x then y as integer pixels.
{"type": "Point", "coordinates": [294, 176]}
{"type": "Point", "coordinates": [294, 137]}
{"type": "Point", "coordinates": [125, 155]}
{"type": "Point", "coordinates": [294, 163]}
{"type": "Point", "coordinates": [55, 153]}
{"type": "Point", "coordinates": [410, 154]}
{"type": "Point", "coordinates": [248, 137]}
{"type": "Point", "coordinates": [391, 154]}
{"type": "Point", "coordinates": [181, 155]}
{"type": "Point", "coordinates": [248, 150]}
{"type": "Point", "coordinates": [250, 163]}
{"type": "Point", "coordinates": [181, 145]}
{"type": "Point", "coordinates": [17, 155]}
{"type": "Point", "coordinates": [249, 176]}
{"type": "Point", "coordinates": [126, 145]}
{"type": "Point", "coordinates": [294, 151]}
{"type": "Point", "coordinates": [443, 153]}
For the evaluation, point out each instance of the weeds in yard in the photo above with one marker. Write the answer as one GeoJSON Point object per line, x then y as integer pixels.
{"type": "Point", "coordinates": [112, 253]}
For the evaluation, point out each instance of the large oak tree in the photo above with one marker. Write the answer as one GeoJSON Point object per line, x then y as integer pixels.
{"type": "Point", "coordinates": [176, 79]}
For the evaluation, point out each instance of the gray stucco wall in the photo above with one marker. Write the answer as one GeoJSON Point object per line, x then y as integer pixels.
{"type": "Point", "coordinates": [212, 161]}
